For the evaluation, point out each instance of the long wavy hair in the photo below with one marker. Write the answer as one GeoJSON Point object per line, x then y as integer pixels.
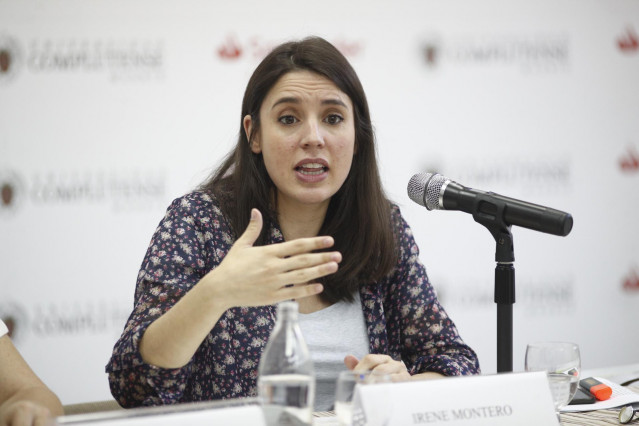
{"type": "Point", "coordinates": [358, 215]}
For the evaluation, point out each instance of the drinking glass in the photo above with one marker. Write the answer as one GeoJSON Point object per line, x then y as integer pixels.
{"type": "Point", "coordinates": [562, 363]}
{"type": "Point", "coordinates": [347, 383]}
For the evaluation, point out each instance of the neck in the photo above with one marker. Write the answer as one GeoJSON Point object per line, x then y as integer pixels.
{"type": "Point", "coordinates": [302, 221]}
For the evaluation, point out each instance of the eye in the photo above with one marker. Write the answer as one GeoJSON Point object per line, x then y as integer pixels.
{"type": "Point", "coordinates": [334, 119]}
{"type": "Point", "coordinates": [287, 119]}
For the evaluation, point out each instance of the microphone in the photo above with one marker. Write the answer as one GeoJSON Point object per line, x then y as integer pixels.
{"type": "Point", "coordinates": [436, 192]}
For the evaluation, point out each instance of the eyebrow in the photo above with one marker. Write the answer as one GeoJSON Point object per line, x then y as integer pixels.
{"type": "Point", "coordinates": [294, 100]}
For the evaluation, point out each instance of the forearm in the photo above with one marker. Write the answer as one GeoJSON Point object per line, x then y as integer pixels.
{"type": "Point", "coordinates": [172, 339]}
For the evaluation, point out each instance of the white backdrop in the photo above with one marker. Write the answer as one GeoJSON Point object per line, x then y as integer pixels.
{"type": "Point", "coordinates": [110, 109]}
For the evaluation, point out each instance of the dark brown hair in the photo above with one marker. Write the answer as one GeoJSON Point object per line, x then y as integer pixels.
{"type": "Point", "coordinates": [358, 216]}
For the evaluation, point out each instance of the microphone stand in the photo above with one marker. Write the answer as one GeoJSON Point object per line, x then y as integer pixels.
{"type": "Point", "coordinates": [490, 213]}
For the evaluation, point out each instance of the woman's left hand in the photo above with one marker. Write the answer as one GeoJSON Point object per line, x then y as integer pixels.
{"type": "Point", "coordinates": [380, 364]}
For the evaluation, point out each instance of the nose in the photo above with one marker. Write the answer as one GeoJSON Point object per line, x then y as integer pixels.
{"type": "Point", "coordinates": [313, 135]}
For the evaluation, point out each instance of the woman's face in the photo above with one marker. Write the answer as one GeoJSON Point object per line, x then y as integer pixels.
{"type": "Point", "coordinates": [306, 137]}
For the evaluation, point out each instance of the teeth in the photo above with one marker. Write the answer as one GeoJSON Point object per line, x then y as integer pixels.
{"type": "Point", "coordinates": [311, 169]}
{"type": "Point", "coordinates": [311, 172]}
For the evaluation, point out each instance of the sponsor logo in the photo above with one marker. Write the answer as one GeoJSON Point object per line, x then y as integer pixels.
{"type": "Point", "coordinates": [119, 60]}
{"type": "Point", "coordinates": [135, 190]}
{"type": "Point", "coordinates": [629, 162]}
{"type": "Point", "coordinates": [529, 54]}
{"type": "Point", "coordinates": [80, 318]}
{"type": "Point", "coordinates": [631, 281]}
{"type": "Point", "coordinates": [230, 49]}
{"type": "Point", "coordinates": [535, 298]}
{"type": "Point", "coordinates": [256, 48]}
{"type": "Point", "coordinates": [521, 175]}
{"type": "Point", "coordinates": [10, 58]}
{"type": "Point", "coordinates": [64, 319]}
{"type": "Point", "coordinates": [628, 42]}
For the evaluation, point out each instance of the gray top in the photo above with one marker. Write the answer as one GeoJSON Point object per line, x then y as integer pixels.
{"type": "Point", "coordinates": [331, 334]}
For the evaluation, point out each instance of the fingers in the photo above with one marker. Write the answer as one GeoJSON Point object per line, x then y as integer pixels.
{"type": "Point", "coordinates": [287, 249]}
{"type": "Point", "coordinates": [307, 274]}
{"type": "Point", "coordinates": [253, 229]}
{"type": "Point", "coordinates": [379, 364]}
{"type": "Point", "coordinates": [370, 361]}
{"type": "Point", "coordinates": [300, 292]}
{"type": "Point", "coordinates": [310, 259]}
{"type": "Point", "coordinates": [43, 418]}
{"type": "Point", "coordinates": [351, 361]}
{"type": "Point", "coordinates": [301, 245]}
{"type": "Point", "coordinates": [26, 413]}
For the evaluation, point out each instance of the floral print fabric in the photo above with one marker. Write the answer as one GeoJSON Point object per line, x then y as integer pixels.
{"type": "Point", "coordinates": [403, 316]}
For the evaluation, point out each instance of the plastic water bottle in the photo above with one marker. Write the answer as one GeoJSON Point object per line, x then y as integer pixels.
{"type": "Point", "coordinates": [286, 381]}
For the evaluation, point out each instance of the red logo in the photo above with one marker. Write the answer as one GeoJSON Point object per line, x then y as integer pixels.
{"type": "Point", "coordinates": [230, 49]}
{"type": "Point", "coordinates": [629, 41]}
{"type": "Point", "coordinates": [630, 161]}
{"type": "Point", "coordinates": [349, 49]}
{"type": "Point", "coordinates": [257, 48]}
{"type": "Point", "coordinates": [632, 281]}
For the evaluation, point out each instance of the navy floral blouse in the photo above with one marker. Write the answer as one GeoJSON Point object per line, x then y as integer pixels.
{"type": "Point", "coordinates": [403, 316]}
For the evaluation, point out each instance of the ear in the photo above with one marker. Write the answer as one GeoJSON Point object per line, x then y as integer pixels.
{"type": "Point", "coordinates": [248, 128]}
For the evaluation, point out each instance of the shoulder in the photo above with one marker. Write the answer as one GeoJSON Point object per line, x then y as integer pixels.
{"type": "Point", "coordinates": [406, 246]}
{"type": "Point", "coordinates": [399, 224]}
{"type": "Point", "coordinates": [196, 200]}
{"type": "Point", "coordinates": [197, 209]}
{"type": "Point", "coordinates": [196, 204]}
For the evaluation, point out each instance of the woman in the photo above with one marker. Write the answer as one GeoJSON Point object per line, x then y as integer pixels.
{"type": "Point", "coordinates": [296, 211]}
{"type": "Point", "coordinates": [24, 399]}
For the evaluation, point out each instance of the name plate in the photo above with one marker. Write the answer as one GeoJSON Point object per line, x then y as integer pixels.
{"type": "Point", "coordinates": [492, 400]}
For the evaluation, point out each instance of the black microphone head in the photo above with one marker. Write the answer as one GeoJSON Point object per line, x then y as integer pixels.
{"type": "Point", "coordinates": [425, 189]}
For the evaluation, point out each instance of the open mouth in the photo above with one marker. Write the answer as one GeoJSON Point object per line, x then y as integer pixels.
{"type": "Point", "coordinates": [312, 169]}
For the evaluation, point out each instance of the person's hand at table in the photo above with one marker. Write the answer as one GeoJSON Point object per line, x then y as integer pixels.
{"type": "Point", "coordinates": [384, 364]}
{"type": "Point", "coordinates": [24, 413]}
{"type": "Point", "coordinates": [379, 364]}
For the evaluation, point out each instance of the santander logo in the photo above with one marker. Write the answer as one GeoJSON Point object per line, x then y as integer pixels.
{"type": "Point", "coordinates": [629, 162]}
{"type": "Point", "coordinates": [629, 41]}
{"type": "Point", "coordinates": [632, 281]}
{"type": "Point", "coordinates": [255, 47]}
{"type": "Point", "coordinates": [230, 49]}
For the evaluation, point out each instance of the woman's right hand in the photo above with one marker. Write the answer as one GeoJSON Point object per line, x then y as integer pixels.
{"type": "Point", "coordinates": [248, 276]}
{"type": "Point", "coordinates": [263, 275]}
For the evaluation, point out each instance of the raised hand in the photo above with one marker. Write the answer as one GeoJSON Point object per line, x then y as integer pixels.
{"type": "Point", "coordinates": [262, 275]}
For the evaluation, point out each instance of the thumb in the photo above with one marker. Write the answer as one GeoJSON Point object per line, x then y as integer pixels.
{"type": "Point", "coordinates": [253, 229]}
{"type": "Point", "coordinates": [350, 361]}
